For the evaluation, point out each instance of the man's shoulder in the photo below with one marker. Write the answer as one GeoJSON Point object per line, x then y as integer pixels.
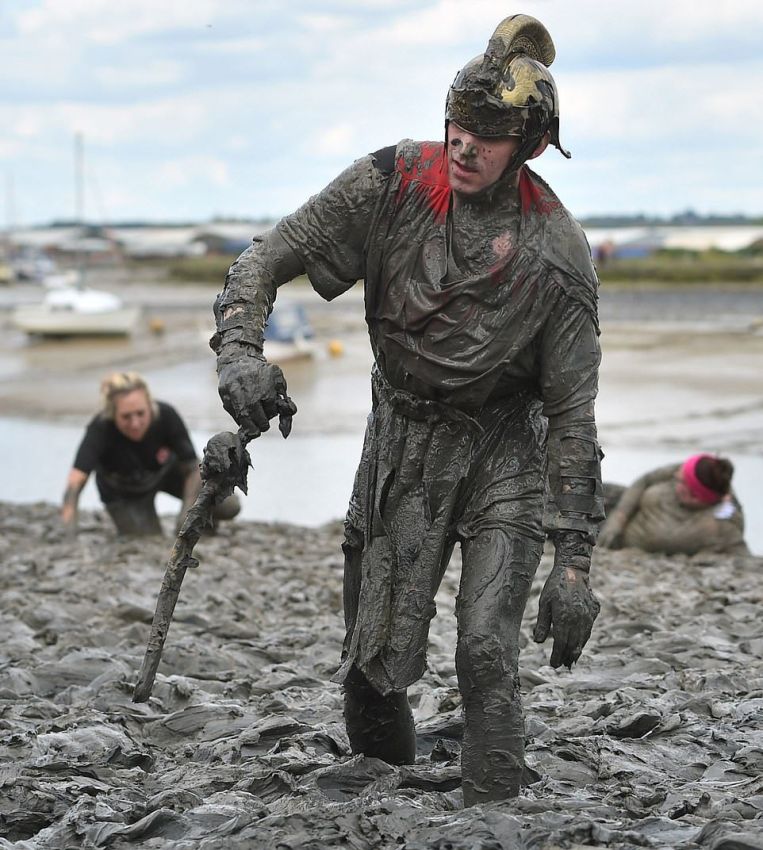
{"type": "Point", "coordinates": [408, 157]}
{"type": "Point", "coordinates": [422, 161]}
{"type": "Point", "coordinates": [422, 173]}
{"type": "Point", "coordinates": [561, 240]}
{"type": "Point", "coordinates": [537, 197]}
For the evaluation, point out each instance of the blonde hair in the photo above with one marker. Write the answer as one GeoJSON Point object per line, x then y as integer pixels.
{"type": "Point", "coordinates": [120, 383]}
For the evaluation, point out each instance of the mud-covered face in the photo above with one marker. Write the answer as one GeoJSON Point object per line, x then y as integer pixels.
{"type": "Point", "coordinates": [132, 414]}
{"type": "Point", "coordinates": [476, 162]}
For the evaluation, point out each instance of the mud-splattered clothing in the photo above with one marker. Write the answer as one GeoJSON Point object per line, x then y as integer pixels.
{"type": "Point", "coordinates": [651, 517]}
{"type": "Point", "coordinates": [483, 326]}
{"type": "Point", "coordinates": [127, 468]}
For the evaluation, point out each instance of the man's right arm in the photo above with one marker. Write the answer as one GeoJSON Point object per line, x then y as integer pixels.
{"type": "Point", "coordinates": [252, 390]}
{"type": "Point", "coordinates": [75, 481]}
{"type": "Point", "coordinates": [242, 308]}
{"type": "Point", "coordinates": [325, 238]}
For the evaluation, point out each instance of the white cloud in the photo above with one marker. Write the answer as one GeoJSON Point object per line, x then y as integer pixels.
{"type": "Point", "coordinates": [28, 126]}
{"type": "Point", "coordinates": [185, 171]}
{"type": "Point", "coordinates": [231, 46]}
{"type": "Point", "coordinates": [663, 103]}
{"type": "Point", "coordinates": [160, 72]}
{"type": "Point", "coordinates": [574, 24]}
{"type": "Point", "coordinates": [107, 22]}
{"type": "Point", "coordinates": [163, 121]}
{"type": "Point", "coordinates": [325, 24]}
{"type": "Point", "coordinates": [238, 142]}
{"type": "Point", "coordinates": [441, 24]}
{"type": "Point", "coordinates": [282, 96]}
{"type": "Point", "coordinates": [332, 141]}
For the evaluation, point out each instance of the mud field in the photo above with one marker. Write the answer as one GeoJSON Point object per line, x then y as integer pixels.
{"type": "Point", "coordinates": [654, 740]}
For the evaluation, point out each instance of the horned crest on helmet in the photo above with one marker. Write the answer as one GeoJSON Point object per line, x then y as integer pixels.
{"type": "Point", "coordinates": [508, 90]}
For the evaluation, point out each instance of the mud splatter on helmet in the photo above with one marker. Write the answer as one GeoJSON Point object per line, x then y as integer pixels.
{"type": "Point", "coordinates": [508, 90]}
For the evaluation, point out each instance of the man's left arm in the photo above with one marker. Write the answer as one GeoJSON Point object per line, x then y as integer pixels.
{"type": "Point", "coordinates": [570, 357]}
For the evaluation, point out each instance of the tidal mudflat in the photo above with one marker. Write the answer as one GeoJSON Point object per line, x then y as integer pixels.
{"type": "Point", "coordinates": [653, 740]}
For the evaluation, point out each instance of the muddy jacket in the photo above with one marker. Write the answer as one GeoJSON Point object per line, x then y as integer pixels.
{"type": "Point", "coordinates": [654, 519]}
{"type": "Point", "coordinates": [479, 319]}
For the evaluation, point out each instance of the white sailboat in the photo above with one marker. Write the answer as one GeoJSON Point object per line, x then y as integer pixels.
{"type": "Point", "coordinates": [77, 311]}
{"type": "Point", "coordinates": [70, 308]}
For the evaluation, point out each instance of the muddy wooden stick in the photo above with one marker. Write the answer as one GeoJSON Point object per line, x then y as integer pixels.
{"type": "Point", "coordinates": [224, 467]}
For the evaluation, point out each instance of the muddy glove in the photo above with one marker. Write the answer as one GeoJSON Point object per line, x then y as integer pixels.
{"type": "Point", "coordinates": [253, 391]}
{"type": "Point", "coordinates": [567, 607]}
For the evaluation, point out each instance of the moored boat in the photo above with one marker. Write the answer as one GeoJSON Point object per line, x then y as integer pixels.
{"type": "Point", "coordinates": [288, 334]}
{"type": "Point", "coordinates": [77, 311]}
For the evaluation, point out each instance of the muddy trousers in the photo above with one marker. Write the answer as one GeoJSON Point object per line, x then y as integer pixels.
{"type": "Point", "coordinates": [496, 578]}
{"type": "Point", "coordinates": [377, 726]}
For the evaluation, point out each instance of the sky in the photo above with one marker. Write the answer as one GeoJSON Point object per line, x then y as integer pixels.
{"type": "Point", "coordinates": [193, 109]}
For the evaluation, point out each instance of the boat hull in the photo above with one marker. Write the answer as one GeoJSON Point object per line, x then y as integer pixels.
{"type": "Point", "coordinates": [40, 321]}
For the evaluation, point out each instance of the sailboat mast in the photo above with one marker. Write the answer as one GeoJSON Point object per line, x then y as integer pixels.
{"type": "Point", "coordinates": [79, 180]}
{"type": "Point", "coordinates": [79, 202]}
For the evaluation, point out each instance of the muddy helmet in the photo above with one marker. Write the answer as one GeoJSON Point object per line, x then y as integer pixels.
{"type": "Point", "coordinates": [508, 90]}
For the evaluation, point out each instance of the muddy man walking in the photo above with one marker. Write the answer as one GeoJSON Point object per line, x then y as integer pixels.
{"type": "Point", "coordinates": [481, 305]}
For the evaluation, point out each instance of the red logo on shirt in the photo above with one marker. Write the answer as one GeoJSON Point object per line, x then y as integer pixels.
{"type": "Point", "coordinates": [163, 455]}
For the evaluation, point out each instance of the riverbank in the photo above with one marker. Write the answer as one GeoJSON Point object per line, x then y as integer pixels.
{"type": "Point", "coordinates": [653, 739]}
{"type": "Point", "coordinates": [703, 345]}
{"type": "Point", "coordinates": [680, 373]}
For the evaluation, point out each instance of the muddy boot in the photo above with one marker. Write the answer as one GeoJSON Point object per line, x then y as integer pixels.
{"type": "Point", "coordinates": [378, 726]}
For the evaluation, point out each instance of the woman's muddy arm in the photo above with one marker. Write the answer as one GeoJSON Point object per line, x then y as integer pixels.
{"type": "Point", "coordinates": [75, 481]}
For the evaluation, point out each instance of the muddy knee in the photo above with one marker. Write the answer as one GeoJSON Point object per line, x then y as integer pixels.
{"type": "Point", "coordinates": [228, 508]}
{"type": "Point", "coordinates": [482, 662]}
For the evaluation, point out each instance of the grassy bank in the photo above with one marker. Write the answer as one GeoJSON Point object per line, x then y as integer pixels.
{"type": "Point", "coordinates": [209, 269]}
{"type": "Point", "coordinates": [686, 267]}
{"type": "Point", "coordinates": [666, 266]}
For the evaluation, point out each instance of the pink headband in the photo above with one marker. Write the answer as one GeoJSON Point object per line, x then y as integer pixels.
{"type": "Point", "coordinates": [696, 487]}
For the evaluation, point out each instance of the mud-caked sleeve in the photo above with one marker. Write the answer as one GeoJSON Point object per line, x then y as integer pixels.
{"type": "Point", "coordinates": [570, 357]}
{"type": "Point", "coordinates": [329, 233]}
{"type": "Point", "coordinates": [325, 238]}
{"type": "Point", "coordinates": [242, 308]}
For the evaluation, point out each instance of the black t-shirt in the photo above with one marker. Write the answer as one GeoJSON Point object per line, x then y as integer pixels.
{"type": "Point", "coordinates": [124, 466]}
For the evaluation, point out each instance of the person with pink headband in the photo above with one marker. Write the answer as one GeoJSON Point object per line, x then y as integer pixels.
{"type": "Point", "coordinates": [681, 508]}
{"type": "Point", "coordinates": [691, 486]}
